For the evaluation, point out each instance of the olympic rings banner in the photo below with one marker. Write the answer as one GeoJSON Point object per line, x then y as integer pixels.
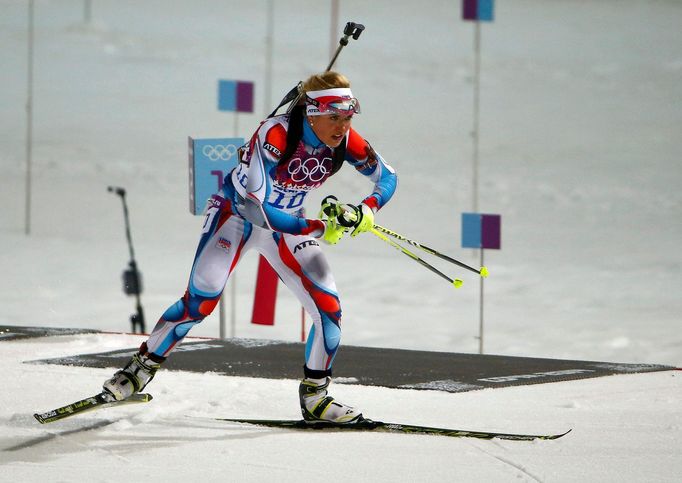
{"type": "Point", "coordinates": [209, 162]}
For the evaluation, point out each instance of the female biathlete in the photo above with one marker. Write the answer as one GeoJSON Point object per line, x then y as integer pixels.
{"type": "Point", "coordinates": [261, 208]}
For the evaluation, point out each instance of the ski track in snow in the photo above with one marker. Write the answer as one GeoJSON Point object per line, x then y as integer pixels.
{"type": "Point", "coordinates": [508, 462]}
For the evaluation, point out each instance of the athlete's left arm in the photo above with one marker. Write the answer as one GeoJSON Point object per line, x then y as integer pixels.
{"type": "Point", "coordinates": [367, 161]}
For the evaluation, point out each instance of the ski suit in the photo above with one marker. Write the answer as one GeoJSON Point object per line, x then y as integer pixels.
{"type": "Point", "coordinates": [261, 208]}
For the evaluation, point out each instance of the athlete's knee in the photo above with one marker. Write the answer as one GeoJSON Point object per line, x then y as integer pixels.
{"type": "Point", "coordinates": [175, 312]}
{"type": "Point", "coordinates": [190, 307]}
{"type": "Point", "coordinates": [199, 306]}
{"type": "Point", "coordinates": [327, 303]}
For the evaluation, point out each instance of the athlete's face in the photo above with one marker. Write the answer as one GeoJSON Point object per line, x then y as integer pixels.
{"type": "Point", "coordinates": [331, 128]}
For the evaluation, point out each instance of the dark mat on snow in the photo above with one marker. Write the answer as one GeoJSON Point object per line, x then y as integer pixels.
{"type": "Point", "coordinates": [396, 368]}
{"type": "Point", "coordinates": [11, 332]}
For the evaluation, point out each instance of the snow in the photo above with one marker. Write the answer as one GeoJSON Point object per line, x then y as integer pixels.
{"type": "Point", "coordinates": [625, 428]}
{"type": "Point", "coordinates": [580, 123]}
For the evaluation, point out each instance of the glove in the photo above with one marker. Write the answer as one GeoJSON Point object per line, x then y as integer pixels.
{"type": "Point", "coordinates": [359, 218]}
{"type": "Point", "coordinates": [333, 232]}
{"type": "Point", "coordinates": [330, 207]}
{"type": "Point", "coordinates": [329, 213]}
{"type": "Point", "coordinates": [363, 219]}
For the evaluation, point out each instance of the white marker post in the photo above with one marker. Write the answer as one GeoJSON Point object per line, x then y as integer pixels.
{"type": "Point", "coordinates": [235, 96]}
{"type": "Point", "coordinates": [477, 11]}
{"type": "Point", "coordinates": [209, 162]}
{"type": "Point", "coordinates": [481, 232]}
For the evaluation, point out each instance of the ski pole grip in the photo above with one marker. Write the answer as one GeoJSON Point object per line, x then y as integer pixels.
{"type": "Point", "coordinates": [115, 189]}
{"type": "Point", "coordinates": [347, 219]}
{"type": "Point", "coordinates": [329, 206]}
{"type": "Point", "coordinates": [353, 29]}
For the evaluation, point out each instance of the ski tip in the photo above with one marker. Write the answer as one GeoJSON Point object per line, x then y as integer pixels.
{"type": "Point", "coordinates": [557, 436]}
{"type": "Point", "coordinates": [39, 418]}
{"type": "Point", "coordinates": [484, 272]}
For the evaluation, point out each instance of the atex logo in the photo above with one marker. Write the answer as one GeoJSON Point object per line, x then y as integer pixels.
{"type": "Point", "coordinates": [273, 149]}
{"type": "Point", "coordinates": [304, 244]}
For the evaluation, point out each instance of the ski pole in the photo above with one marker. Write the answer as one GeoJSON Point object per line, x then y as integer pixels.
{"type": "Point", "coordinates": [292, 97]}
{"type": "Point", "coordinates": [352, 29]}
{"type": "Point", "coordinates": [332, 209]}
{"type": "Point", "coordinates": [456, 282]}
{"type": "Point", "coordinates": [483, 272]}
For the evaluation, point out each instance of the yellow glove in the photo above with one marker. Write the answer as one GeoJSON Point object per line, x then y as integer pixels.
{"type": "Point", "coordinates": [333, 232]}
{"type": "Point", "coordinates": [364, 220]}
{"type": "Point", "coordinates": [329, 214]}
{"type": "Point", "coordinates": [339, 218]}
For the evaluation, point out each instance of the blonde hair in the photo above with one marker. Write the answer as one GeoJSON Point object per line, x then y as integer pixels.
{"type": "Point", "coordinates": [326, 80]}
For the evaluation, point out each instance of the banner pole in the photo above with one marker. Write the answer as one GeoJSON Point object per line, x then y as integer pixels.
{"type": "Point", "coordinates": [302, 324]}
{"type": "Point", "coordinates": [233, 309]}
{"type": "Point", "coordinates": [221, 306]}
{"type": "Point", "coordinates": [475, 133]}
{"type": "Point", "coordinates": [269, 36]}
{"type": "Point", "coordinates": [480, 311]}
{"type": "Point", "coordinates": [29, 117]}
{"type": "Point", "coordinates": [334, 26]}
{"type": "Point", "coordinates": [232, 282]}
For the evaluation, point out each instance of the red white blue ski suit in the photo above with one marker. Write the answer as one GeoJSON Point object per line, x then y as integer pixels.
{"type": "Point", "coordinates": [261, 207]}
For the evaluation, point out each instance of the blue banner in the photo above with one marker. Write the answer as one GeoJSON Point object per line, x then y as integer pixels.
{"type": "Point", "coordinates": [471, 230]}
{"type": "Point", "coordinates": [210, 160]}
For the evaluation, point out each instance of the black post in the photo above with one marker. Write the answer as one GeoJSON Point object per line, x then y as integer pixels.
{"type": "Point", "coordinates": [132, 278]}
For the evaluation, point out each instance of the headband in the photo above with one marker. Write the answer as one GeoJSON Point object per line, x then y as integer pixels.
{"type": "Point", "coordinates": [337, 100]}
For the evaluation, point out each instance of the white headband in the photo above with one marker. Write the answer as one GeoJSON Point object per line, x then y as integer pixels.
{"type": "Point", "coordinates": [338, 94]}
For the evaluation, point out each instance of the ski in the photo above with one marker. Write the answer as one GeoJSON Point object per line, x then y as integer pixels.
{"type": "Point", "coordinates": [381, 426]}
{"type": "Point", "coordinates": [102, 400]}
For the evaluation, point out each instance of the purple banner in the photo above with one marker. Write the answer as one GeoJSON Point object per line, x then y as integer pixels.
{"type": "Point", "coordinates": [478, 10]}
{"type": "Point", "coordinates": [244, 96]}
{"type": "Point", "coordinates": [490, 231]}
{"type": "Point", "coordinates": [481, 231]}
{"type": "Point", "coordinates": [469, 9]}
{"type": "Point", "coordinates": [235, 96]}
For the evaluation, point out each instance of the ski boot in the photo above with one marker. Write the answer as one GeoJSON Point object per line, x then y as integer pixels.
{"type": "Point", "coordinates": [132, 378]}
{"type": "Point", "coordinates": [317, 406]}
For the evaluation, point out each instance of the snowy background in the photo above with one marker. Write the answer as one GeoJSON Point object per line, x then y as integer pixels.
{"type": "Point", "coordinates": [580, 141]}
{"type": "Point", "coordinates": [580, 123]}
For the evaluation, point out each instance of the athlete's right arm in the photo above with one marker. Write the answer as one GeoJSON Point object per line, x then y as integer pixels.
{"type": "Point", "coordinates": [266, 148]}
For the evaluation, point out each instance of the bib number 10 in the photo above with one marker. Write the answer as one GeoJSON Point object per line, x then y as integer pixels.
{"type": "Point", "coordinates": [283, 201]}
